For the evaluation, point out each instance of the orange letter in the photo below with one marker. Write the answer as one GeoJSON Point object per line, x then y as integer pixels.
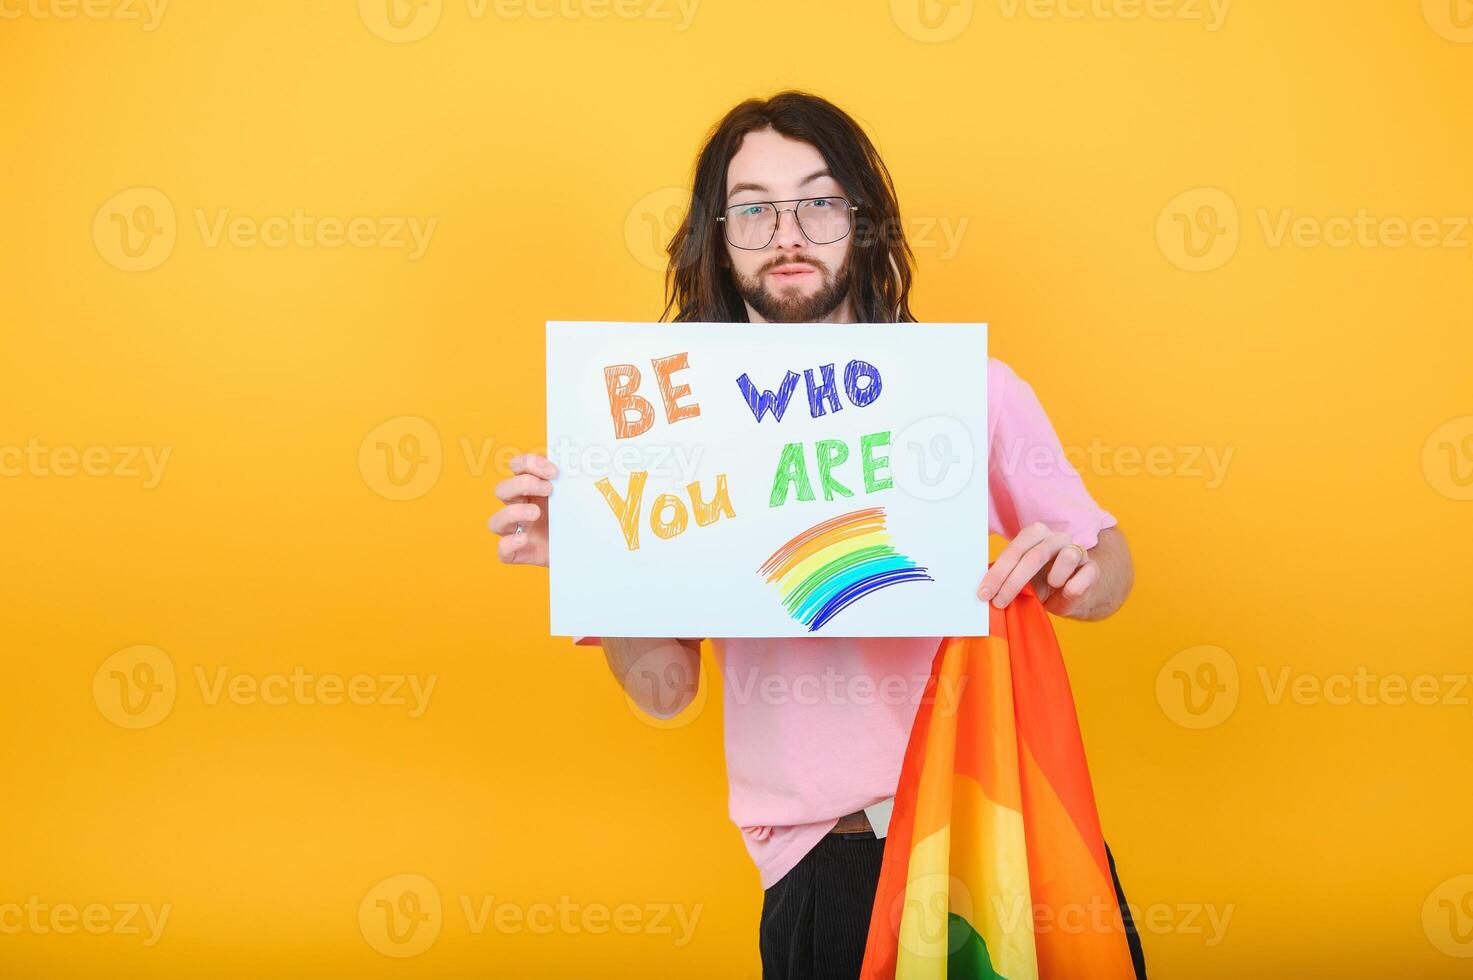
{"type": "Point", "coordinates": [626, 510]}
{"type": "Point", "coordinates": [663, 528]}
{"type": "Point", "coordinates": [720, 504]}
{"type": "Point", "coordinates": [622, 381]}
{"type": "Point", "coordinates": [664, 367]}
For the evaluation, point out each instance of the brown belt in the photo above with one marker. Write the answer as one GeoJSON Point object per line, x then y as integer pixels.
{"type": "Point", "coordinates": [852, 823]}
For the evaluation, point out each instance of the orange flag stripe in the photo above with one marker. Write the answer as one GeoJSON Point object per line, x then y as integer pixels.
{"type": "Point", "coordinates": [998, 711]}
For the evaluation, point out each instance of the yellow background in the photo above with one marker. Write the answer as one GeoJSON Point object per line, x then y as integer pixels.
{"type": "Point", "coordinates": [546, 148]}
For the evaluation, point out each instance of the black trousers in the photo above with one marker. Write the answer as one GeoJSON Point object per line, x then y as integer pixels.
{"type": "Point", "coordinates": [815, 920]}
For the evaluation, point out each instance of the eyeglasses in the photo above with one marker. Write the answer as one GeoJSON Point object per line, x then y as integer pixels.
{"type": "Point", "coordinates": [753, 225]}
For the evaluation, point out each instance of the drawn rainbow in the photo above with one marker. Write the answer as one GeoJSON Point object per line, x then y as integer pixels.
{"type": "Point", "coordinates": [836, 563]}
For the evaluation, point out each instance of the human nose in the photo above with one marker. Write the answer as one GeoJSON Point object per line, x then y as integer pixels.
{"type": "Point", "coordinates": [789, 235]}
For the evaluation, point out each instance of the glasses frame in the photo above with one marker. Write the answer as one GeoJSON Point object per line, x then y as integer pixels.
{"type": "Point", "coordinates": [797, 202]}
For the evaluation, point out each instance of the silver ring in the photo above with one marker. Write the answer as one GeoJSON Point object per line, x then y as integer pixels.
{"type": "Point", "coordinates": [519, 529]}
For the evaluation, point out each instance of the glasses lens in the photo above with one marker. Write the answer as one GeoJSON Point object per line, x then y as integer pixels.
{"type": "Point", "coordinates": [824, 219]}
{"type": "Point", "coordinates": [750, 225]}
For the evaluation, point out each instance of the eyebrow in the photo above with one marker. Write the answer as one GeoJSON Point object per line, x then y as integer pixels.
{"type": "Point", "coordinates": [762, 188]}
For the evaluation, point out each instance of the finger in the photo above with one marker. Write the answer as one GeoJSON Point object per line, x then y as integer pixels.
{"type": "Point", "coordinates": [505, 520]}
{"type": "Point", "coordinates": [510, 546]}
{"type": "Point", "coordinates": [1087, 575]}
{"type": "Point", "coordinates": [1066, 563]}
{"type": "Point", "coordinates": [1023, 573]}
{"type": "Point", "coordinates": [534, 464]}
{"type": "Point", "coordinates": [1007, 560]}
{"type": "Point", "coordinates": [522, 485]}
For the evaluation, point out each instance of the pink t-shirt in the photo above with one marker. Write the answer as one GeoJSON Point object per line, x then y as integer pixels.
{"type": "Point", "coordinates": [816, 727]}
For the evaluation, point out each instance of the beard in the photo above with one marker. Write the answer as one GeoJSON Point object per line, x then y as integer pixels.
{"type": "Point", "coordinates": [789, 305]}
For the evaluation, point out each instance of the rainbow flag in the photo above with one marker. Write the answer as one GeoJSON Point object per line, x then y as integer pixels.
{"type": "Point", "coordinates": [995, 865]}
{"type": "Point", "coordinates": [836, 563]}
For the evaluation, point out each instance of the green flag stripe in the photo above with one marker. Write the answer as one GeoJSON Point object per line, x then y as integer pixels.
{"type": "Point", "coordinates": [968, 959]}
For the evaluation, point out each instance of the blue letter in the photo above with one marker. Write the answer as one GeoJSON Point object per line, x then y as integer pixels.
{"type": "Point", "coordinates": [767, 401]}
{"type": "Point", "coordinates": [861, 396]}
{"type": "Point", "coordinates": [828, 390]}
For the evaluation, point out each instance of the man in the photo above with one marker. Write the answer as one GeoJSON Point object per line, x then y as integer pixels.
{"type": "Point", "coordinates": [794, 219]}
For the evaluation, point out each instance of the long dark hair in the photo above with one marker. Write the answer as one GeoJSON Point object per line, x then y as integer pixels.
{"type": "Point", "coordinates": [698, 283]}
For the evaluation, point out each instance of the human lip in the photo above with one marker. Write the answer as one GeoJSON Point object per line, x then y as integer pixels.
{"type": "Point", "coordinates": [792, 271]}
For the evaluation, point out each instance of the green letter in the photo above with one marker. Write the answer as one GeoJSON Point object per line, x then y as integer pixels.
{"type": "Point", "coordinates": [870, 463]}
{"type": "Point", "coordinates": [831, 452]}
{"type": "Point", "coordinates": [790, 470]}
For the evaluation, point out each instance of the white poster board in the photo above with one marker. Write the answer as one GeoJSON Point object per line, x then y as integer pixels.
{"type": "Point", "coordinates": [735, 479]}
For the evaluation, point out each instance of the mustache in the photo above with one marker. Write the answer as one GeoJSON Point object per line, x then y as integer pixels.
{"type": "Point", "coordinates": [811, 263]}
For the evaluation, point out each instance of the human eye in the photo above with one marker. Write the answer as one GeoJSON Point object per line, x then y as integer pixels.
{"type": "Point", "coordinates": [748, 210]}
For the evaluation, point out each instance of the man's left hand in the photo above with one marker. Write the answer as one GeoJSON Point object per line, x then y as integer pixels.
{"type": "Point", "coordinates": [1060, 570]}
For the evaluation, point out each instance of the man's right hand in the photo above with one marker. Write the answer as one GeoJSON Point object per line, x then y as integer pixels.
{"type": "Point", "coordinates": [525, 495]}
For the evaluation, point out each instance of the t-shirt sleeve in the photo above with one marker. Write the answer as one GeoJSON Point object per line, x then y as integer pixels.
{"type": "Point", "coordinates": [1029, 477]}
